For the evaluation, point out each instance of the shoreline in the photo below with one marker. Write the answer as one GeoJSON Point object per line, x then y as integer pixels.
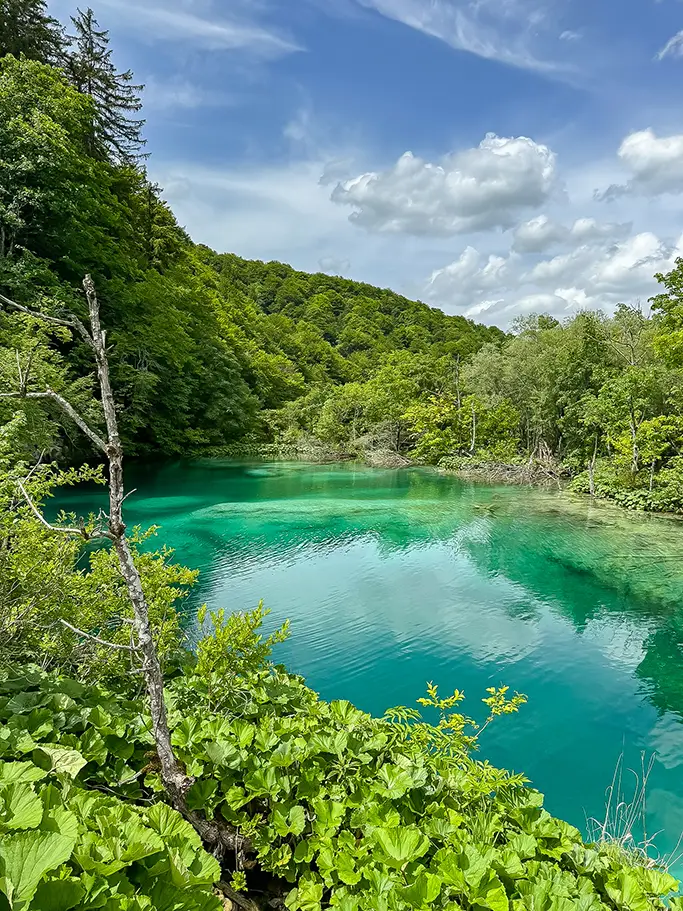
{"type": "Point", "coordinates": [525, 474]}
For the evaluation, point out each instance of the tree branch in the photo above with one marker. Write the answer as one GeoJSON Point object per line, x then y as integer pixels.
{"type": "Point", "coordinates": [81, 532]}
{"type": "Point", "coordinates": [79, 632]}
{"type": "Point", "coordinates": [72, 323]}
{"type": "Point", "coordinates": [66, 407]}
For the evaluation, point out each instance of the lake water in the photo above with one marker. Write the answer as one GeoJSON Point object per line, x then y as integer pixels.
{"type": "Point", "coordinates": [394, 578]}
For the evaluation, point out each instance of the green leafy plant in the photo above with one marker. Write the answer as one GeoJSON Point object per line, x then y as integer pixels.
{"type": "Point", "coordinates": [341, 809]}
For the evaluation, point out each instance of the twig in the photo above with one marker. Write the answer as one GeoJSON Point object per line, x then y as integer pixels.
{"type": "Point", "coordinates": [66, 407]}
{"type": "Point", "coordinates": [81, 532]}
{"type": "Point", "coordinates": [79, 632]}
{"type": "Point", "coordinates": [236, 897]}
{"type": "Point", "coordinates": [71, 323]}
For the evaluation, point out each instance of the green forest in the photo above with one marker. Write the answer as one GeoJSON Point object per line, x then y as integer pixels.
{"type": "Point", "coordinates": [213, 351]}
{"type": "Point", "coordinates": [138, 773]}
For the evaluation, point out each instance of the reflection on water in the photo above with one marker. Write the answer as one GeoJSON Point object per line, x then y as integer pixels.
{"type": "Point", "coordinates": [392, 578]}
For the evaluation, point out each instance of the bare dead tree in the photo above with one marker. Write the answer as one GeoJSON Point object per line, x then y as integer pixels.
{"type": "Point", "coordinates": [175, 779]}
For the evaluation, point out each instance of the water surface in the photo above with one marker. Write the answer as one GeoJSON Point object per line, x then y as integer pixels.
{"type": "Point", "coordinates": [393, 578]}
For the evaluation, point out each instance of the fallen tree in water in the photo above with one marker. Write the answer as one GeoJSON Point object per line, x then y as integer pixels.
{"type": "Point", "coordinates": [530, 472]}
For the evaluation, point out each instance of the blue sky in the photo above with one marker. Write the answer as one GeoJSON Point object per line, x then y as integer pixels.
{"type": "Point", "coordinates": [492, 157]}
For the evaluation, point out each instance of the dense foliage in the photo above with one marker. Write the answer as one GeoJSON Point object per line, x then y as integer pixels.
{"type": "Point", "coordinates": [343, 810]}
{"type": "Point", "coordinates": [206, 345]}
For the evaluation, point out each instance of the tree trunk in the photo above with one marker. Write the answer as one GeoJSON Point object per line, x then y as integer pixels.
{"type": "Point", "coordinates": [473, 444]}
{"type": "Point", "coordinates": [591, 468]}
{"type": "Point", "coordinates": [635, 456]}
{"type": "Point", "coordinates": [652, 475]}
{"type": "Point", "coordinates": [175, 780]}
{"type": "Point", "coordinates": [220, 837]}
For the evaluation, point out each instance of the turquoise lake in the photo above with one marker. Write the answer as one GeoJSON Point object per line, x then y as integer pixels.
{"type": "Point", "coordinates": [394, 578]}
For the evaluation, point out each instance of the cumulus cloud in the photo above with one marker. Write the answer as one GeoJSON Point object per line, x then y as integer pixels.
{"type": "Point", "coordinates": [654, 163]}
{"type": "Point", "coordinates": [586, 229]}
{"type": "Point", "coordinates": [593, 275]}
{"type": "Point", "coordinates": [472, 190]}
{"type": "Point", "coordinates": [540, 233]}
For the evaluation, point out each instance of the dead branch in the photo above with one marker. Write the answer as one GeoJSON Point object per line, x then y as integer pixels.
{"type": "Point", "coordinates": [66, 407]}
{"type": "Point", "coordinates": [80, 532]}
{"type": "Point", "coordinates": [236, 897]}
{"type": "Point", "coordinates": [72, 322]}
{"type": "Point", "coordinates": [80, 632]}
{"type": "Point", "coordinates": [219, 836]}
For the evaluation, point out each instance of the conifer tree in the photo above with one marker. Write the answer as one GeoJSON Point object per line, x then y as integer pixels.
{"type": "Point", "coordinates": [26, 28]}
{"type": "Point", "coordinates": [115, 131]}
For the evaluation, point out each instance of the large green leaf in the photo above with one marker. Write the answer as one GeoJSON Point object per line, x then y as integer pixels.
{"type": "Point", "coordinates": [345, 713]}
{"type": "Point", "coordinates": [346, 869]}
{"type": "Point", "coordinates": [657, 882]}
{"type": "Point", "coordinates": [167, 897]}
{"type": "Point", "coordinates": [57, 895]}
{"type": "Point", "coordinates": [463, 869]}
{"type": "Point", "coordinates": [62, 761]}
{"type": "Point", "coordinates": [20, 771]}
{"type": "Point", "coordinates": [306, 897]}
{"type": "Point", "coordinates": [20, 807]}
{"type": "Point", "coordinates": [402, 845]}
{"type": "Point", "coordinates": [25, 858]}
{"type": "Point", "coordinates": [393, 782]}
{"type": "Point", "coordinates": [329, 814]}
{"type": "Point", "coordinates": [489, 893]}
{"type": "Point", "coordinates": [170, 825]}
{"type": "Point", "coordinates": [423, 891]}
{"type": "Point", "coordinates": [627, 893]}
{"type": "Point", "coordinates": [221, 752]}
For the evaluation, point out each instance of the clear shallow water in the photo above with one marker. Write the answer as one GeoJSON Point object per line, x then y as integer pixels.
{"type": "Point", "coordinates": [393, 578]}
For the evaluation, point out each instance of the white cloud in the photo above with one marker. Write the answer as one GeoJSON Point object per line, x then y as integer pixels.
{"type": "Point", "coordinates": [654, 163]}
{"type": "Point", "coordinates": [176, 22]}
{"type": "Point", "coordinates": [502, 30]}
{"type": "Point", "coordinates": [541, 233]}
{"type": "Point", "coordinates": [627, 267]}
{"type": "Point", "coordinates": [538, 234]}
{"type": "Point", "coordinates": [473, 190]}
{"type": "Point", "coordinates": [672, 48]}
{"type": "Point", "coordinates": [595, 275]}
{"type": "Point", "coordinates": [569, 35]}
{"type": "Point", "coordinates": [586, 229]}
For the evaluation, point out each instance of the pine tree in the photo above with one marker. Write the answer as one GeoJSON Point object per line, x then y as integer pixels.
{"type": "Point", "coordinates": [26, 28]}
{"type": "Point", "coordinates": [114, 131]}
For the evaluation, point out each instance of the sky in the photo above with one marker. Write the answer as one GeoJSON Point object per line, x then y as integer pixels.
{"type": "Point", "coordinates": [490, 157]}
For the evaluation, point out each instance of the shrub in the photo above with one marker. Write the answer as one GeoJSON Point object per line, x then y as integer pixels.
{"type": "Point", "coordinates": [345, 810]}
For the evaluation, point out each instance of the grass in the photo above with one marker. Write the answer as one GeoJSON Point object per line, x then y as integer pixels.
{"type": "Point", "coordinates": [624, 825]}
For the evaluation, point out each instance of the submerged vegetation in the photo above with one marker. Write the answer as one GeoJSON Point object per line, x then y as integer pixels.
{"type": "Point", "coordinates": [136, 774]}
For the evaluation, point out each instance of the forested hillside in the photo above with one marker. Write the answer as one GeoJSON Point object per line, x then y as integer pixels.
{"type": "Point", "coordinates": [210, 350]}
{"type": "Point", "coordinates": [204, 343]}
